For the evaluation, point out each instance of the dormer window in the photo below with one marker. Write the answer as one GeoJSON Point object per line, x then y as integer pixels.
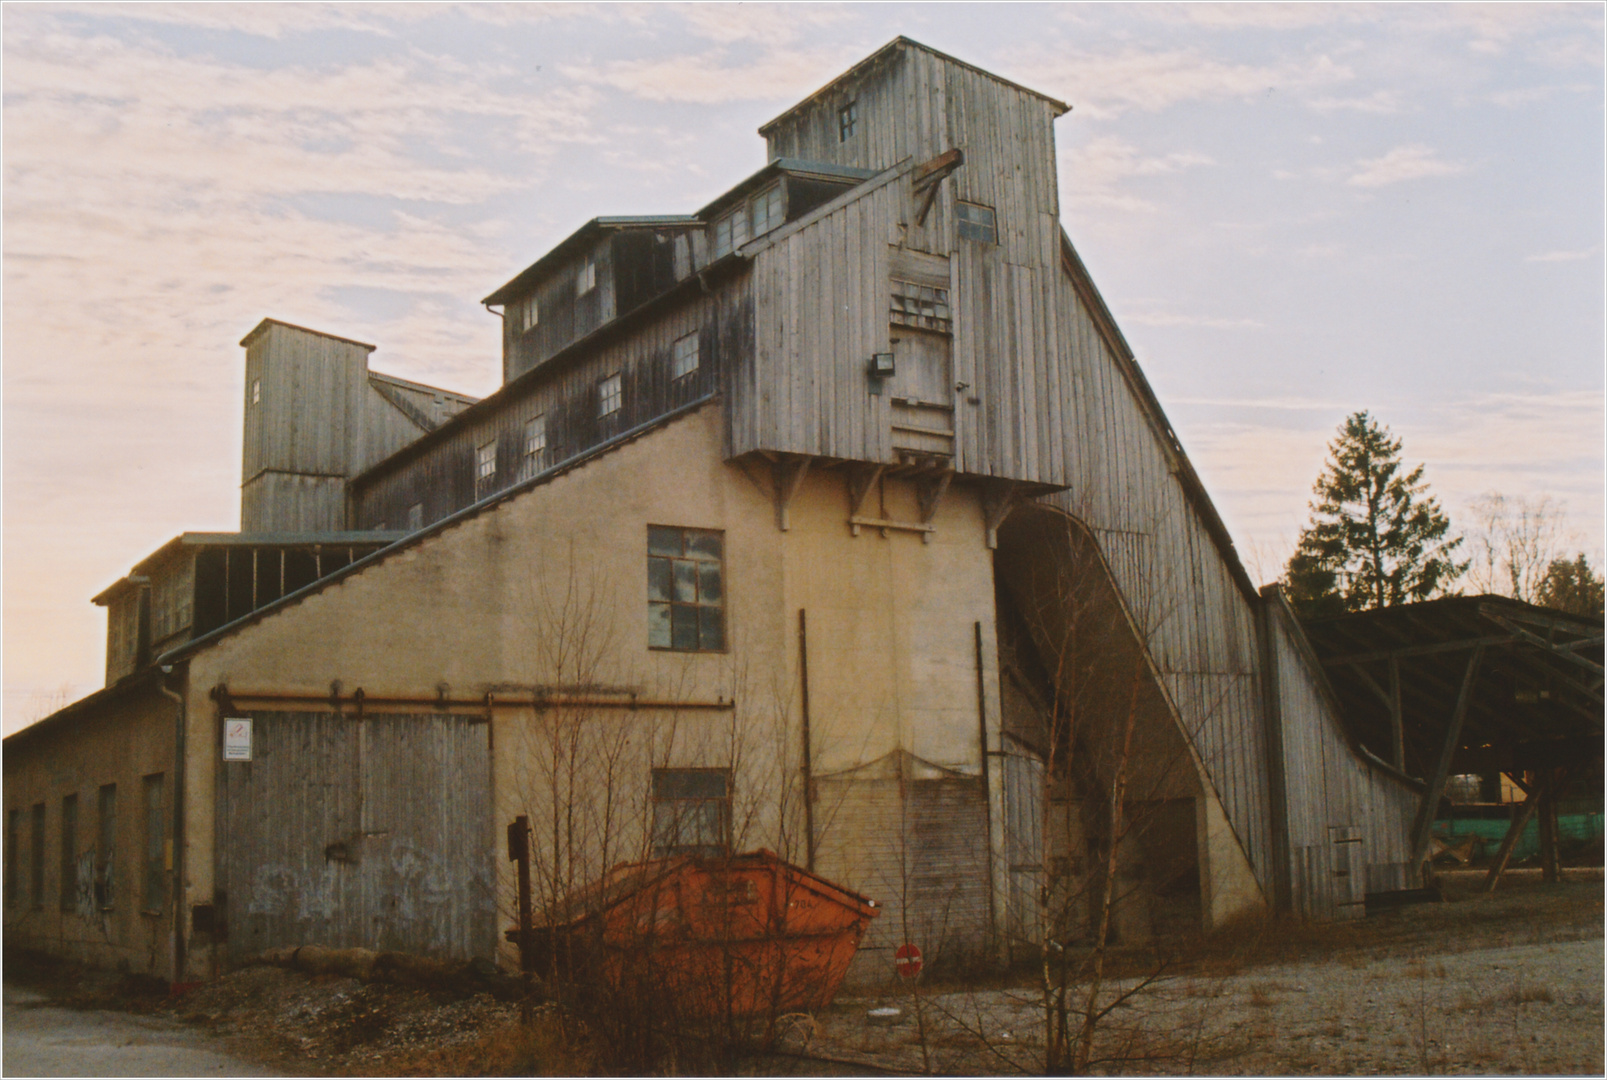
{"type": "Point", "coordinates": [766, 210]}
{"type": "Point", "coordinates": [847, 120]}
{"type": "Point", "coordinates": [731, 231]}
{"type": "Point", "coordinates": [586, 280]}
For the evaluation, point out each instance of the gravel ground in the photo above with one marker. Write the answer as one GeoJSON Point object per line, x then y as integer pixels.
{"type": "Point", "coordinates": [1510, 983]}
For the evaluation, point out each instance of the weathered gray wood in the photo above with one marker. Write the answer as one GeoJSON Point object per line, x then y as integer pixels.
{"type": "Point", "coordinates": [1424, 822]}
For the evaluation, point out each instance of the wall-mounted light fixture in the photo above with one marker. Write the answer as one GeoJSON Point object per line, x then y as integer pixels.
{"type": "Point", "coordinates": [881, 365]}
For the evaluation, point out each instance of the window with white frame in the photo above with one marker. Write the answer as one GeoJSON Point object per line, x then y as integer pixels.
{"type": "Point", "coordinates": [535, 445]}
{"type": "Point", "coordinates": [485, 466]}
{"type": "Point", "coordinates": [692, 812]}
{"type": "Point", "coordinates": [683, 357]}
{"type": "Point", "coordinates": [586, 280]}
{"type": "Point", "coordinates": [610, 395]}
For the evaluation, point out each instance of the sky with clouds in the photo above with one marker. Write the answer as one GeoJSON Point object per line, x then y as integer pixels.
{"type": "Point", "coordinates": [1294, 212]}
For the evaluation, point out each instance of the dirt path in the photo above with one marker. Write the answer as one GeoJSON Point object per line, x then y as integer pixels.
{"type": "Point", "coordinates": [41, 1040]}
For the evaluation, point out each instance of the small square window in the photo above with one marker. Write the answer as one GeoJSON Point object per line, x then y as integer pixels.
{"type": "Point", "coordinates": [976, 222]}
{"type": "Point", "coordinates": [683, 357]}
{"type": "Point", "coordinates": [692, 812]}
{"type": "Point", "coordinates": [685, 589]}
{"type": "Point", "coordinates": [256, 391]}
{"type": "Point", "coordinates": [586, 280]}
{"type": "Point", "coordinates": [847, 120]}
{"type": "Point", "coordinates": [610, 395]}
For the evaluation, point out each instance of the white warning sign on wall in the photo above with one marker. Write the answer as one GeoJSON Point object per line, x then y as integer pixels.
{"type": "Point", "coordinates": [237, 738]}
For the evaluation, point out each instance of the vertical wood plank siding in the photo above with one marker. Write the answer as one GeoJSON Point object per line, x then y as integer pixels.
{"type": "Point", "coordinates": [442, 473]}
{"type": "Point", "coordinates": [1330, 787]}
{"type": "Point", "coordinates": [1048, 400]}
{"type": "Point", "coordinates": [323, 839]}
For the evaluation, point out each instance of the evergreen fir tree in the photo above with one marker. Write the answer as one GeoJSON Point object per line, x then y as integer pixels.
{"type": "Point", "coordinates": [1571, 586]}
{"type": "Point", "coordinates": [1376, 538]}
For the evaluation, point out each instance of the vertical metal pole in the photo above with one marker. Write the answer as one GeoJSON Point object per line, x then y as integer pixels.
{"type": "Point", "coordinates": [808, 748]}
{"type": "Point", "coordinates": [987, 787]}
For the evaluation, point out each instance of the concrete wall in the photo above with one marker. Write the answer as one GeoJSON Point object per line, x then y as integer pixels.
{"type": "Point", "coordinates": [548, 590]}
{"type": "Point", "coordinates": [121, 742]}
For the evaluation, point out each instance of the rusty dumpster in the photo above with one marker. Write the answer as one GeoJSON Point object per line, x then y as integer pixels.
{"type": "Point", "coordinates": [743, 936]}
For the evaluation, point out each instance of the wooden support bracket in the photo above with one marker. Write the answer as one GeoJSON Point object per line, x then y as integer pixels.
{"type": "Point", "coordinates": [861, 482]}
{"type": "Point", "coordinates": [998, 499]}
{"type": "Point", "coordinates": [787, 476]}
{"type": "Point", "coordinates": [927, 177]}
{"type": "Point", "coordinates": [929, 493]}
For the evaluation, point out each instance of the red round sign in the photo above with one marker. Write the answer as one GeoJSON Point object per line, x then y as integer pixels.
{"type": "Point", "coordinates": [907, 960]}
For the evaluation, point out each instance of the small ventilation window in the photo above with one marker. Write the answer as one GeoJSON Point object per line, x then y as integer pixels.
{"type": "Point", "coordinates": [586, 280]}
{"type": "Point", "coordinates": [527, 314]}
{"type": "Point", "coordinates": [847, 120]}
{"type": "Point", "coordinates": [683, 357]}
{"type": "Point", "coordinates": [976, 222]}
{"type": "Point", "coordinates": [731, 231]}
{"type": "Point", "coordinates": [610, 395]}
{"type": "Point", "coordinates": [256, 391]}
{"type": "Point", "coordinates": [415, 517]}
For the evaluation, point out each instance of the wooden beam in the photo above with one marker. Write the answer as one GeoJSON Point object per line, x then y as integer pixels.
{"type": "Point", "coordinates": [1520, 820]}
{"type": "Point", "coordinates": [1420, 650]}
{"type": "Point", "coordinates": [1549, 871]}
{"type": "Point", "coordinates": [1396, 722]}
{"type": "Point", "coordinates": [1423, 826]}
{"type": "Point", "coordinates": [998, 499]}
{"type": "Point", "coordinates": [1541, 643]}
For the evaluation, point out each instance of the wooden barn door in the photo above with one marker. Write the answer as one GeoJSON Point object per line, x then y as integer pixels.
{"type": "Point", "coordinates": [358, 832]}
{"type": "Point", "coordinates": [1347, 869]}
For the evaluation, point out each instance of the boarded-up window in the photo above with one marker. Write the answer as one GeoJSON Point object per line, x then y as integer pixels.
{"type": "Point", "coordinates": [683, 357]}
{"type": "Point", "coordinates": [106, 850]}
{"type": "Point", "coordinates": [155, 834]}
{"type": "Point", "coordinates": [68, 893]}
{"type": "Point", "coordinates": [610, 395]}
{"type": "Point", "coordinates": [13, 858]}
{"type": "Point", "coordinates": [976, 222]}
{"type": "Point", "coordinates": [692, 812]}
{"type": "Point", "coordinates": [685, 590]}
{"type": "Point", "coordinates": [36, 862]}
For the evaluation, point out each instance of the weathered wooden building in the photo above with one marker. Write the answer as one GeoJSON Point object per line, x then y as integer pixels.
{"type": "Point", "coordinates": [835, 517]}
